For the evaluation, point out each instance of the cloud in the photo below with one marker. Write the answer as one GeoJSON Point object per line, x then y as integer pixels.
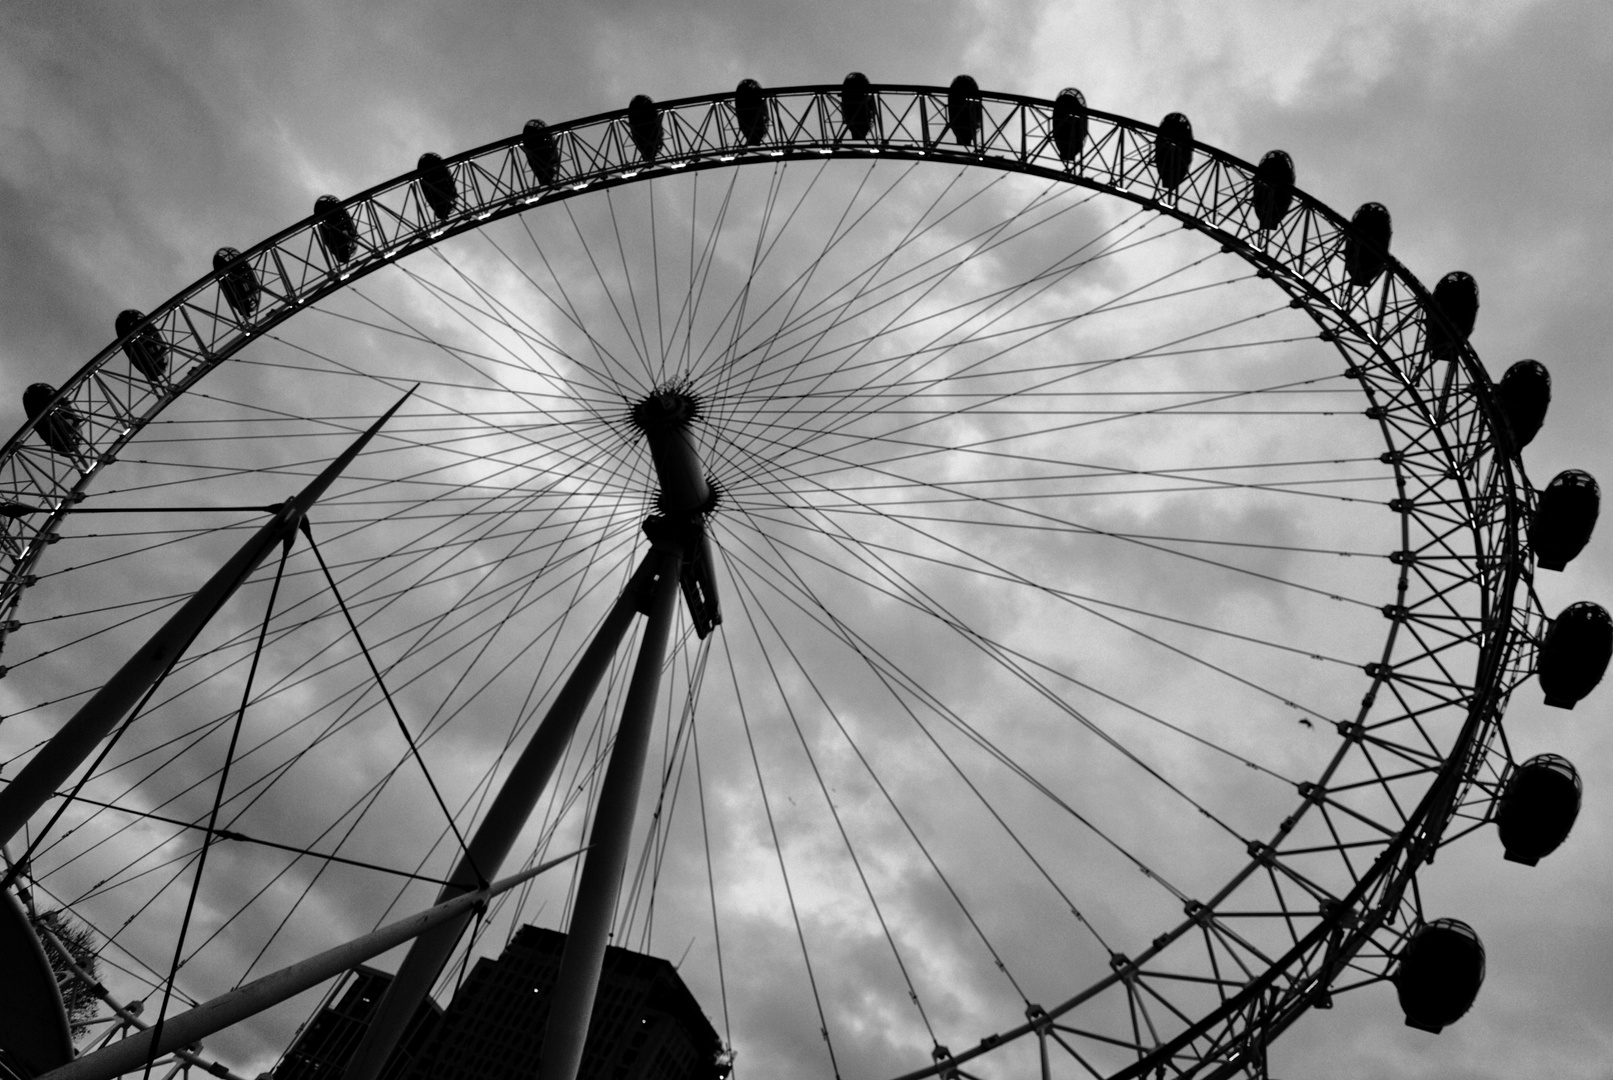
{"type": "Point", "coordinates": [133, 142]}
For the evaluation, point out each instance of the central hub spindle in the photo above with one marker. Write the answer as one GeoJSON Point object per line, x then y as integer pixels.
{"type": "Point", "coordinates": [667, 419]}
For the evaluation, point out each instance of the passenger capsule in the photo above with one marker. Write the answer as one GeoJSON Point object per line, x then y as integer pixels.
{"type": "Point", "coordinates": [143, 346]}
{"type": "Point", "coordinates": [1173, 150]}
{"type": "Point", "coordinates": [1537, 809]}
{"type": "Point", "coordinates": [644, 126]}
{"type": "Point", "coordinates": [750, 111]}
{"type": "Point", "coordinates": [1564, 518]}
{"type": "Point", "coordinates": [542, 152]}
{"type": "Point", "coordinates": [336, 229]}
{"type": "Point", "coordinates": [1366, 244]}
{"type": "Point", "coordinates": [1069, 123]}
{"type": "Point", "coordinates": [963, 109]}
{"type": "Point", "coordinates": [437, 186]}
{"type": "Point", "coordinates": [237, 282]}
{"type": "Point", "coordinates": [1273, 188]}
{"type": "Point", "coordinates": [1441, 970]}
{"type": "Point", "coordinates": [57, 425]}
{"type": "Point", "coordinates": [1524, 393]}
{"type": "Point", "coordinates": [1457, 298]}
{"type": "Point", "coordinates": [857, 105]}
{"type": "Point", "coordinates": [1574, 655]}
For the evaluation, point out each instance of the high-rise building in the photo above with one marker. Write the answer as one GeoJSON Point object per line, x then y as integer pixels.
{"type": "Point", "coordinates": [326, 1043]}
{"type": "Point", "coordinates": [646, 1025]}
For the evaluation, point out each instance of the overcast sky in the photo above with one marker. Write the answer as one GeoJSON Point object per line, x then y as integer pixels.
{"type": "Point", "coordinates": [135, 139]}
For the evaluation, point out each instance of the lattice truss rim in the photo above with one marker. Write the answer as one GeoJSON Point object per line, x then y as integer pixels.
{"type": "Point", "coordinates": [1462, 500]}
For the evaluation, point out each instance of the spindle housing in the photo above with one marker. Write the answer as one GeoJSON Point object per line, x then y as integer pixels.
{"type": "Point", "coordinates": [667, 418]}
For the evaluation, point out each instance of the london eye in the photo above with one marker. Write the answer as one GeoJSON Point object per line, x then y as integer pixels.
{"type": "Point", "coordinates": [807, 533]}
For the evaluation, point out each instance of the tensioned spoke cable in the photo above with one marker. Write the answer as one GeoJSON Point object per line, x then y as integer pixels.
{"type": "Point", "coordinates": [424, 339]}
{"type": "Point", "coordinates": [796, 289]}
{"type": "Point", "coordinates": [258, 841]}
{"type": "Point", "coordinates": [780, 471]}
{"type": "Point", "coordinates": [992, 571]}
{"type": "Point", "coordinates": [655, 264]}
{"type": "Point", "coordinates": [1047, 381]}
{"type": "Point", "coordinates": [852, 350]}
{"type": "Point", "coordinates": [1005, 659]}
{"type": "Point", "coordinates": [899, 322]}
{"type": "Point", "coordinates": [708, 358]}
{"type": "Point", "coordinates": [823, 787]}
{"type": "Point", "coordinates": [741, 302]}
{"type": "Point", "coordinates": [276, 735]}
{"type": "Point", "coordinates": [503, 313]}
{"type": "Point", "coordinates": [778, 850]}
{"type": "Point", "coordinates": [711, 886]}
{"type": "Point", "coordinates": [212, 824]}
{"type": "Point", "coordinates": [892, 675]}
{"type": "Point", "coordinates": [867, 509]}
{"type": "Point", "coordinates": [487, 778]}
{"type": "Point", "coordinates": [860, 281]}
{"type": "Point", "coordinates": [920, 290]}
{"type": "Point", "coordinates": [700, 272]}
{"type": "Point", "coordinates": [924, 603]}
{"type": "Point", "coordinates": [938, 351]}
{"type": "Point", "coordinates": [408, 737]}
{"type": "Point", "coordinates": [929, 604]}
{"type": "Point", "coordinates": [782, 442]}
{"type": "Point", "coordinates": [568, 310]}
{"type": "Point", "coordinates": [610, 296]}
{"type": "Point", "coordinates": [886, 668]}
{"type": "Point", "coordinates": [643, 891]}
{"type": "Point", "coordinates": [627, 275]}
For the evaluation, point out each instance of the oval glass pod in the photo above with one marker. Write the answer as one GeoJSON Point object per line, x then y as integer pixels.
{"type": "Point", "coordinates": [1173, 150]}
{"type": "Point", "coordinates": [750, 111]}
{"type": "Point", "coordinates": [1564, 518]}
{"type": "Point", "coordinates": [963, 109]}
{"type": "Point", "coordinates": [1536, 811]}
{"type": "Point", "coordinates": [857, 105]}
{"type": "Point", "coordinates": [1366, 246]}
{"type": "Point", "coordinates": [145, 349]}
{"type": "Point", "coordinates": [1456, 297]}
{"type": "Point", "coordinates": [1574, 654]}
{"type": "Point", "coordinates": [336, 229]}
{"type": "Point", "coordinates": [1524, 393]}
{"type": "Point", "coordinates": [542, 152]}
{"type": "Point", "coordinates": [239, 284]}
{"type": "Point", "coordinates": [57, 425]}
{"type": "Point", "coordinates": [1440, 972]}
{"type": "Point", "coordinates": [644, 126]}
{"type": "Point", "coordinates": [1273, 189]}
{"type": "Point", "coordinates": [1069, 123]}
{"type": "Point", "coordinates": [437, 186]}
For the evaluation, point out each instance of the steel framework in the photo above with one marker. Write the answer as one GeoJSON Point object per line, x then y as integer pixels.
{"type": "Point", "coordinates": [1463, 626]}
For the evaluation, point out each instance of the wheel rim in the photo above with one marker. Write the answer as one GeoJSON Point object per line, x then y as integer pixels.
{"type": "Point", "coordinates": [1434, 420]}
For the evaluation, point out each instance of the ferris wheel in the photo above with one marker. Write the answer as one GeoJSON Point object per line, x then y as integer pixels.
{"type": "Point", "coordinates": [987, 585]}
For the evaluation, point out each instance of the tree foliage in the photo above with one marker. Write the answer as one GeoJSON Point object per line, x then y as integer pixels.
{"type": "Point", "coordinates": [79, 941]}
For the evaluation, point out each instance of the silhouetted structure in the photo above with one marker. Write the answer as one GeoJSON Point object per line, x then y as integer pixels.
{"type": "Point", "coordinates": [326, 1042]}
{"type": "Point", "coordinates": [646, 1025]}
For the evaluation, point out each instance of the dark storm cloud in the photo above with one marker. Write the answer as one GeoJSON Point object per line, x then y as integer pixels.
{"type": "Point", "coordinates": [135, 140]}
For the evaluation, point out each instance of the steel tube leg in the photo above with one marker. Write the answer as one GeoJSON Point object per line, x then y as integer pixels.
{"type": "Point", "coordinates": [580, 963]}
{"type": "Point", "coordinates": [497, 833]}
